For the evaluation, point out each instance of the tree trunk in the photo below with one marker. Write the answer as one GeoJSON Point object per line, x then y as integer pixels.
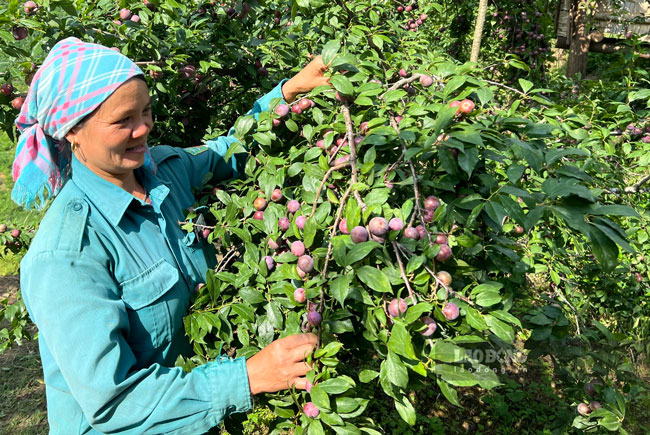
{"type": "Point", "coordinates": [579, 43]}
{"type": "Point", "coordinates": [478, 30]}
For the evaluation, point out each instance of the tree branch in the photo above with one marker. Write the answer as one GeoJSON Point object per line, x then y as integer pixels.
{"type": "Point", "coordinates": [322, 183]}
{"type": "Point", "coordinates": [403, 273]}
{"type": "Point", "coordinates": [345, 110]}
{"type": "Point", "coordinates": [334, 227]}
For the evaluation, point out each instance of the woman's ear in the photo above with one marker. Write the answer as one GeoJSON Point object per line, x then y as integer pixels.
{"type": "Point", "coordinates": [71, 136]}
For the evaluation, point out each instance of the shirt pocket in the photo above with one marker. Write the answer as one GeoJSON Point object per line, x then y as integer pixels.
{"type": "Point", "coordinates": [147, 297]}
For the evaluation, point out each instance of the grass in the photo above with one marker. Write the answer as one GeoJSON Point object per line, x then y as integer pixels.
{"type": "Point", "coordinates": [22, 391]}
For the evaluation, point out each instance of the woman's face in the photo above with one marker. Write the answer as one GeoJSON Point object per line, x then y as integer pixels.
{"type": "Point", "coordinates": [111, 142]}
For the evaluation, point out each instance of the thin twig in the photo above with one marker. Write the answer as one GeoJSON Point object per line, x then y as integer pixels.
{"type": "Point", "coordinates": [339, 212]}
{"type": "Point", "coordinates": [345, 110]}
{"type": "Point", "coordinates": [403, 273]}
{"type": "Point", "coordinates": [150, 62]}
{"type": "Point", "coordinates": [416, 190]}
{"type": "Point", "coordinates": [635, 187]}
{"type": "Point", "coordinates": [323, 181]}
{"type": "Point", "coordinates": [505, 87]}
{"type": "Point", "coordinates": [209, 227]}
{"type": "Point", "coordinates": [438, 281]}
{"type": "Point", "coordinates": [226, 259]}
{"type": "Point", "coordinates": [398, 84]}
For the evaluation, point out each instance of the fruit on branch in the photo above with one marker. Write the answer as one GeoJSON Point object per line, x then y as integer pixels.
{"type": "Point", "coordinates": [583, 409]}
{"type": "Point", "coordinates": [341, 160]}
{"type": "Point", "coordinates": [258, 215]}
{"type": "Point", "coordinates": [297, 248]}
{"type": "Point", "coordinates": [188, 71]}
{"type": "Point", "coordinates": [451, 311]}
{"type": "Point", "coordinates": [275, 245]}
{"type": "Point", "coordinates": [125, 14]}
{"type": "Point", "coordinates": [293, 206]}
{"type": "Point", "coordinates": [15, 233]}
{"type": "Point", "coordinates": [270, 263]}
{"type": "Point", "coordinates": [378, 239]}
{"type": "Point", "coordinates": [282, 110]}
{"type": "Point", "coordinates": [314, 318]}
{"type": "Point", "coordinates": [590, 389]}
{"type": "Point", "coordinates": [396, 224]}
{"type": "Point", "coordinates": [403, 73]}
{"type": "Point", "coordinates": [301, 273]}
{"type": "Point", "coordinates": [455, 104]}
{"type": "Point", "coordinates": [441, 239]}
{"type": "Point", "coordinates": [378, 226]}
{"type": "Point", "coordinates": [400, 9]}
{"type": "Point", "coordinates": [444, 254]}
{"type": "Point", "coordinates": [466, 106]}
{"type": "Point", "coordinates": [519, 230]}
{"type": "Point", "coordinates": [299, 295]}
{"type": "Point", "coordinates": [444, 277]}
{"type": "Point", "coordinates": [306, 263]}
{"type": "Point", "coordinates": [29, 7]}
{"type": "Point", "coordinates": [205, 233]}
{"type": "Point", "coordinates": [431, 326]}
{"type": "Point", "coordinates": [363, 127]}
{"type": "Point", "coordinates": [7, 89]}
{"type": "Point", "coordinates": [411, 233]}
{"type": "Point", "coordinates": [310, 410]}
{"type": "Point", "coordinates": [296, 109]}
{"type": "Point", "coordinates": [422, 232]}
{"type": "Point", "coordinates": [259, 204]}
{"type": "Point", "coordinates": [284, 223]}
{"type": "Point", "coordinates": [135, 18]}
{"type": "Point", "coordinates": [428, 215]}
{"type": "Point", "coordinates": [426, 81]}
{"type": "Point", "coordinates": [17, 103]}
{"type": "Point", "coordinates": [149, 5]}
{"type": "Point", "coordinates": [3, 228]}
{"type": "Point", "coordinates": [276, 195]}
{"type": "Point", "coordinates": [397, 307]}
{"type": "Point", "coordinates": [263, 72]}
{"type": "Point", "coordinates": [156, 75]}
{"type": "Point", "coordinates": [359, 234]}
{"type": "Point", "coordinates": [340, 97]}
{"type": "Point", "coordinates": [343, 226]}
{"type": "Point", "coordinates": [19, 32]}
{"type": "Point", "coordinates": [594, 405]}
{"type": "Point", "coordinates": [431, 203]}
{"type": "Point", "coordinates": [300, 222]}
{"type": "Point", "coordinates": [305, 103]}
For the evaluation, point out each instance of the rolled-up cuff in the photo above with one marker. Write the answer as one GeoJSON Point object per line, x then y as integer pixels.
{"type": "Point", "coordinates": [229, 382]}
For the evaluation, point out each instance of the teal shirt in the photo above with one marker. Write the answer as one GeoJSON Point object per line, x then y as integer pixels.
{"type": "Point", "coordinates": [107, 280]}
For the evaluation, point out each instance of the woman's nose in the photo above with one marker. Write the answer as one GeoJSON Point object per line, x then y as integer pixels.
{"type": "Point", "coordinates": [143, 128]}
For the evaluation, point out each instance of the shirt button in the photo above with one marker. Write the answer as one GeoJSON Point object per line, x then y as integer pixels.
{"type": "Point", "coordinates": [76, 206]}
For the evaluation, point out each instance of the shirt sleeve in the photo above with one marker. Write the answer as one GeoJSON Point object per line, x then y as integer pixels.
{"type": "Point", "coordinates": [84, 327]}
{"type": "Point", "coordinates": [211, 157]}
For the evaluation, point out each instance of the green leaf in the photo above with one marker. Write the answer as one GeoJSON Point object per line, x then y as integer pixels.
{"type": "Point", "coordinates": [604, 249]}
{"type": "Point", "coordinates": [448, 391]}
{"type": "Point", "coordinates": [342, 84]}
{"type": "Point", "coordinates": [330, 50]}
{"type": "Point", "coordinates": [525, 85]}
{"type": "Point", "coordinates": [455, 375]}
{"type": "Point", "coordinates": [320, 398]}
{"type": "Point", "coordinates": [475, 319]}
{"type": "Point", "coordinates": [337, 385]}
{"type": "Point", "coordinates": [406, 410]}
{"type": "Point", "coordinates": [359, 251]}
{"type": "Point", "coordinates": [374, 278]}
{"type": "Point", "coordinates": [485, 376]}
{"type": "Point", "coordinates": [447, 352]}
{"type": "Point", "coordinates": [488, 298]}
{"type": "Point", "coordinates": [400, 341]}
{"type": "Point", "coordinates": [366, 376]}
{"type": "Point", "coordinates": [340, 288]}
{"type": "Point", "coordinates": [395, 370]}
{"type": "Point", "coordinates": [500, 329]}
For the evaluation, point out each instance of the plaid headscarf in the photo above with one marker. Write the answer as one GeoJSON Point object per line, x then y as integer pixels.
{"type": "Point", "coordinates": [75, 78]}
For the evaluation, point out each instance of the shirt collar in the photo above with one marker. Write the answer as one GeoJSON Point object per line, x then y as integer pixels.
{"type": "Point", "coordinates": [110, 199]}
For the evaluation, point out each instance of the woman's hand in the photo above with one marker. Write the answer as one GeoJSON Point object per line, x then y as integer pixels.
{"type": "Point", "coordinates": [281, 365]}
{"type": "Point", "coordinates": [307, 79]}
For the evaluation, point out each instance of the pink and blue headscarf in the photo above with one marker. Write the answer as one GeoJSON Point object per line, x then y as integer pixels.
{"type": "Point", "coordinates": [75, 78]}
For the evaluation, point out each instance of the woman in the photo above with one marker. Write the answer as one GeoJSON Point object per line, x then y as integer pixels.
{"type": "Point", "coordinates": [108, 277]}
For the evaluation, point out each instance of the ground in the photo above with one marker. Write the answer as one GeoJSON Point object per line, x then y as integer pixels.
{"type": "Point", "coordinates": [22, 391]}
